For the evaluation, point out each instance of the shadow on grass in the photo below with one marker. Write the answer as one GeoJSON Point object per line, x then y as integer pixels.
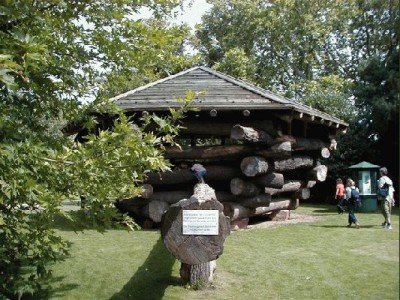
{"type": "Point", "coordinates": [152, 278]}
{"type": "Point", "coordinates": [49, 292]}
{"type": "Point", "coordinates": [76, 220]}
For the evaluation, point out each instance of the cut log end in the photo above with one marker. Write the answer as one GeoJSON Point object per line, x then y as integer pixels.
{"type": "Point", "coordinates": [254, 165]}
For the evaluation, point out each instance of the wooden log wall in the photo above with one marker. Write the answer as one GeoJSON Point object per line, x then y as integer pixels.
{"type": "Point", "coordinates": [260, 175]}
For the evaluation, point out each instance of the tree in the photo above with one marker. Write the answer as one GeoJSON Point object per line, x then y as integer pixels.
{"type": "Point", "coordinates": [377, 97]}
{"type": "Point", "coordinates": [52, 54]}
{"type": "Point", "coordinates": [290, 42]}
{"type": "Point", "coordinates": [338, 56]}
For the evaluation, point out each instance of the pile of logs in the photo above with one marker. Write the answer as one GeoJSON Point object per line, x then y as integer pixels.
{"type": "Point", "coordinates": [258, 176]}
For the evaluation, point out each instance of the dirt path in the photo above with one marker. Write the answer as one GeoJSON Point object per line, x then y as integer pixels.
{"type": "Point", "coordinates": [295, 218]}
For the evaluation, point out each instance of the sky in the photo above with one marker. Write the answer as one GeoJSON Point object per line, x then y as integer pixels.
{"type": "Point", "coordinates": [191, 13]}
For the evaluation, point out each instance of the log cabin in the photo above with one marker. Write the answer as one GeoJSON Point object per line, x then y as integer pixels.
{"type": "Point", "coordinates": [263, 152]}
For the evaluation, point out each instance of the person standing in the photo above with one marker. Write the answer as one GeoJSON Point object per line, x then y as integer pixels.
{"type": "Point", "coordinates": [340, 195]}
{"type": "Point", "coordinates": [385, 195]}
{"type": "Point", "coordinates": [351, 193]}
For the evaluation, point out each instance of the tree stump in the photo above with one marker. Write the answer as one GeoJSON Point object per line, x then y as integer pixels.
{"type": "Point", "coordinates": [195, 251]}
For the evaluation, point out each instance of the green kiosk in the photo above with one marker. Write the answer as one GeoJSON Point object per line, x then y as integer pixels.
{"type": "Point", "coordinates": [365, 176]}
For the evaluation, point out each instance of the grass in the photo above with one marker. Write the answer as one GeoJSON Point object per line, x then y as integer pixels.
{"type": "Point", "coordinates": [321, 260]}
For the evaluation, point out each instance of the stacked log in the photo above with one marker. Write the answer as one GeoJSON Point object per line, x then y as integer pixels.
{"type": "Point", "coordinates": [262, 175]}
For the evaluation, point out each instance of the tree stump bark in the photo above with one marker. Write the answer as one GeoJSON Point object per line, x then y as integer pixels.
{"type": "Point", "coordinates": [198, 275]}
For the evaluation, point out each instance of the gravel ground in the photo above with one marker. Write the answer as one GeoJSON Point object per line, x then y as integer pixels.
{"type": "Point", "coordinates": [294, 219]}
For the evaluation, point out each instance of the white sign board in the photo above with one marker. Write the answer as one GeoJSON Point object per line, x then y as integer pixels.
{"type": "Point", "coordinates": [200, 222]}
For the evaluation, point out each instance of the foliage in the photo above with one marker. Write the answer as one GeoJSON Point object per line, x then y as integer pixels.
{"type": "Point", "coordinates": [289, 41]}
{"type": "Point", "coordinates": [339, 57]}
{"type": "Point", "coordinates": [377, 97]}
{"type": "Point", "coordinates": [332, 94]}
{"type": "Point", "coordinates": [52, 54]}
{"type": "Point", "coordinates": [236, 63]}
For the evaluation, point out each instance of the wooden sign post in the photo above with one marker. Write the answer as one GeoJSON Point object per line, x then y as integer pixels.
{"type": "Point", "coordinates": [194, 231]}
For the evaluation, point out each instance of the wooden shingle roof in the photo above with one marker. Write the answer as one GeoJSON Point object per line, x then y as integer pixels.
{"type": "Point", "coordinates": [220, 92]}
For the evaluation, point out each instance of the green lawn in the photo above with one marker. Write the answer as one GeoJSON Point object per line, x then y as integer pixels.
{"type": "Point", "coordinates": [321, 260]}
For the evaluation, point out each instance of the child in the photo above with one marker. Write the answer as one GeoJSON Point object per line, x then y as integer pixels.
{"type": "Point", "coordinates": [340, 195]}
{"type": "Point", "coordinates": [199, 172]}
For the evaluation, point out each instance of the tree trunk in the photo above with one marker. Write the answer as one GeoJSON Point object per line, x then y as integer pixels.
{"type": "Point", "coordinates": [198, 275]}
{"type": "Point", "coordinates": [236, 211]}
{"type": "Point", "coordinates": [289, 186]}
{"type": "Point", "coordinates": [243, 188]}
{"type": "Point", "coordinates": [186, 176]}
{"type": "Point", "coordinates": [208, 152]}
{"type": "Point", "coordinates": [303, 194]}
{"type": "Point", "coordinates": [194, 249]}
{"type": "Point", "coordinates": [280, 150]}
{"type": "Point", "coordinates": [276, 205]}
{"type": "Point", "coordinates": [241, 133]}
{"type": "Point", "coordinates": [254, 165]}
{"type": "Point", "coordinates": [319, 173]}
{"type": "Point", "coordinates": [256, 201]}
{"type": "Point", "coordinates": [301, 144]}
{"type": "Point", "coordinates": [273, 180]}
{"type": "Point", "coordinates": [296, 162]}
{"type": "Point", "coordinates": [155, 209]}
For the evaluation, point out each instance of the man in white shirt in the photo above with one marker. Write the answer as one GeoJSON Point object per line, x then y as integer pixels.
{"type": "Point", "coordinates": [387, 201]}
